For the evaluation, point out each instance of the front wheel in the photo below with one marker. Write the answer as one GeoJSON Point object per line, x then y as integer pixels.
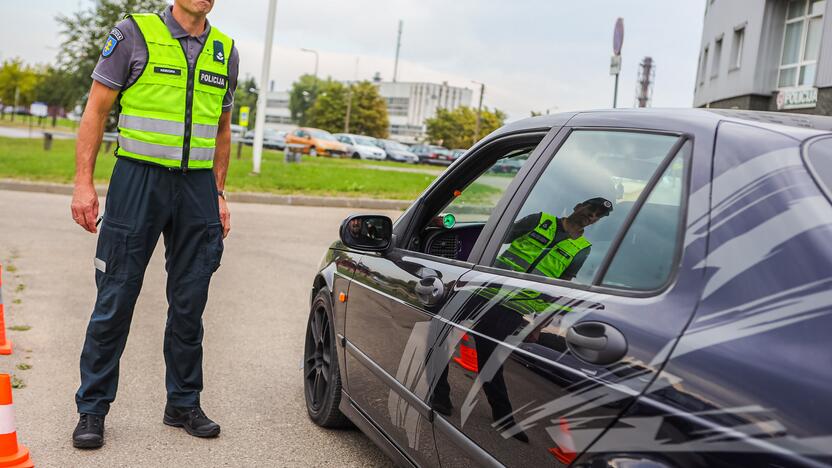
{"type": "Point", "coordinates": [356, 156]}
{"type": "Point", "coordinates": [321, 374]}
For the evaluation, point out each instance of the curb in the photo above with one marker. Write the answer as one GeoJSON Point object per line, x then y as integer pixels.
{"type": "Point", "coordinates": [236, 197]}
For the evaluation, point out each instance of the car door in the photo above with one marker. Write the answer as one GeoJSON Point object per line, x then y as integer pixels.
{"type": "Point", "coordinates": [539, 366]}
{"type": "Point", "coordinates": [394, 296]}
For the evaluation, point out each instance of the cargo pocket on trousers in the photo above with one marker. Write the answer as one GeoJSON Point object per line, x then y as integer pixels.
{"type": "Point", "coordinates": [111, 252]}
{"type": "Point", "coordinates": [213, 247]}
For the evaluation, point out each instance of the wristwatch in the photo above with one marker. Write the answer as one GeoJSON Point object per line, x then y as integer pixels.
{"type": "Point", "coordinates": [221, 193]}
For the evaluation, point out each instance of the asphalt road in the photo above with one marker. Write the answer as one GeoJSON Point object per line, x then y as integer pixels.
{"type": "Point", "coordinates": [254, 331]}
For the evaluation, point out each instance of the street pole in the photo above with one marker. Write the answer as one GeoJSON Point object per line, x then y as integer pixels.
{"type": "Point", "coordinates": [398, 46]}
{"type": "Point", "coordinates": [262, 96]}
{"type": "Point", "coordinates": [16, 96]}
{"type": "Point", "coordinates": [349, 98]}
{"type": "Point", "coordinates": [316, 61]}
{"type": "Point", "coordinates": [615, 92]}
{"type": "Point", "coordinates": [479, 111]}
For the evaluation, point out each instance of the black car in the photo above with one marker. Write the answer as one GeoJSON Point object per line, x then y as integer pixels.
{"type": "Point", "coordinates": [694, 330]}
{"type": "Point", "coordinates": [433, 154]}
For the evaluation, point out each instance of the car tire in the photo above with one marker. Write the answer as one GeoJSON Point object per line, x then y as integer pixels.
{"type": "Point", "coordinates": [321, 372]}
{"type": "Point", "coordinates": [356, 156]}
{"type": "Point", "coordinates": [313, 151]}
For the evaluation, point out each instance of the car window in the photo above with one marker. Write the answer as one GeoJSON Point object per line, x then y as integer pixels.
{"type": "Point", "coordinates": [819, 160]}
{"type": "Point", "coordinates": [581, 200]}
{"type": "Point", "coordinates": [365, 141]}
{"type": "Point", "coordinates": [475, 203]}
{"type": "Point", "coordinates": [644, 260]}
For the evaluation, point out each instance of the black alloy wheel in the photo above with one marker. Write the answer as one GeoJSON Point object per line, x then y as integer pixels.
{"type": "Point", "coordinates": [321, 375]}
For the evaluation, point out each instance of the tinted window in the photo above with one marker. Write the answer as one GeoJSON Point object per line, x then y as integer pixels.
{"type": "Point", "coordinates": [645, 257]}
{"type": "Point", "coordinates": [580, 202]}
{"type": "Point", "coordinates": [819, 159]}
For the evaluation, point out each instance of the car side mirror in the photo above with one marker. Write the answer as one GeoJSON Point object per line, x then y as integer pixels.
{"type": "Point", "coordinates": [367, 232]}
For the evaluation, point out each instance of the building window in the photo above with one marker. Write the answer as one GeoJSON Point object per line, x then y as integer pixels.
{"type": "Point", "coordinates": [717, 57]}
{"type": "Point", "coordinates": [704, 70]}
{"type": "Point", "coordinates": [801, 43]}
{"type": "Point", "coordinates": [736, 48]}
{"type": "Point", "coordinates": [398, 106]}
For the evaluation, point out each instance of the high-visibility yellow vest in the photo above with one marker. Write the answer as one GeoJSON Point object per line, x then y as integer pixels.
{"type": "Point", "coordinates": [170, 115]}
{"type": "Point", "coordinates": [524, 253]}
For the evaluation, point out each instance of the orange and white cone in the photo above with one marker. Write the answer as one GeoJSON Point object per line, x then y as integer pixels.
{"type": "Point", "coordinates": [12, 454]}
{"type": "Point", "coordinates": [5, 345]}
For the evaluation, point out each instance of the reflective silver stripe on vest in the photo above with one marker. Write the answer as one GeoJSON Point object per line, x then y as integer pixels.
{"type": "Point", "coordinates": [167, 127]}
{"type": "Point", "coordinates": [204, 131]}
{"type": "Point", "coordinates": [516, 259]}
{"type": "Point", "coordinates": [150, 149]}
{"type": "Point", "coordinates": [146, 124]}
{"type": "Point", "coordinates": [202, 154]}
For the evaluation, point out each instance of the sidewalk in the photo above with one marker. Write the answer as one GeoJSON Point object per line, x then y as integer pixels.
{"type": "Point", "coordinates": [234, 197]}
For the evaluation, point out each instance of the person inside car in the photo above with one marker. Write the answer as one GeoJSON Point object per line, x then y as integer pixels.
{"type": "Point", "coordinates": [554, 247]}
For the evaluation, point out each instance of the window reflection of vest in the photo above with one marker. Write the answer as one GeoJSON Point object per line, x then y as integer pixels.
{"type": "Point", "coordinates": [170, 115]}
{"type": "Point", "coordinates": [533, 252]}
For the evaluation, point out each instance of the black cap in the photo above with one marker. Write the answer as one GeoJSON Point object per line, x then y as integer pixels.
{"type": "Point", "coordinates": [599, 202]}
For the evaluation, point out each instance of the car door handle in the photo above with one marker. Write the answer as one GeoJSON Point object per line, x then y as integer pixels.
{"type": "Point", "coordinates": [596, 342]}
{"type": "Point", "coordinates": [430, 290]}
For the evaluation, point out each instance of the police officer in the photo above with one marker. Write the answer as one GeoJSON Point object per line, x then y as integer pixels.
{"type": "Point", "coordinates": [174, 76]}
{"type": "Point", "coordinates": [553, 247]}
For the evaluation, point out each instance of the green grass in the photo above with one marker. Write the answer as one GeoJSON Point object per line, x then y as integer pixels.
{"type": "Point", "coordinates": [25, 159]}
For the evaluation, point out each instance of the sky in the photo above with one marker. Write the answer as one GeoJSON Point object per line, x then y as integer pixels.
{"type": "Point", "coordinates": [531, 54]}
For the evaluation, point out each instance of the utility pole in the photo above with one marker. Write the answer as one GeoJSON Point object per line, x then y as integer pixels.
{"type": "Point", "coordinates": [316, 61]}
{"type": "Point", "coordinates": [398, 46]}
{"type": "Point", "coordinates": [349, 98]}
{"type": "Point", "coordinates": [262, 95]}
{"type": "Point", "coordinates": [479, 111]}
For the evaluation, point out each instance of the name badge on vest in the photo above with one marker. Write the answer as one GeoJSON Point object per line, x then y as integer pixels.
{"type": "Point", "coordinates": [212, 79]}
{"type": "Point", "coordinates": [219, 52]}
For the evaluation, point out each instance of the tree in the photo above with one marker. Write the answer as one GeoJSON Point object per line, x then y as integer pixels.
{"type": "Point", "coordinates": [84, 33]}
{"type": "Point", "coordinates": [243, 96]}
{"type": "Point", "coordinates": [17, 83]}
{"type": "Point", "coordinates": [329, 108]}
{"type": "Point", "coordinates": [55, 88]}
{"type": "Point", "coordinates": [302, 96]}
{"type": "Point", "coordinates": [457, 128]}
{"type": "Point", "coordinates": [368, 111]}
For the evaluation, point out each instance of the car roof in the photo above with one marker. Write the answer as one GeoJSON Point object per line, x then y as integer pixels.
{"type": "Point", "coordinates": [798, 126]}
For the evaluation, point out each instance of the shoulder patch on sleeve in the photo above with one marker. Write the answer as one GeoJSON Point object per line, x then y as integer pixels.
{"type": "Point", "coordinates": [116, 32]}
{"type": "Point", "coordinates": [110, 45]}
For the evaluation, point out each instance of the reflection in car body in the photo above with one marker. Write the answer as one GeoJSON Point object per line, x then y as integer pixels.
{"type": "Point", "coordinates": [710, 280]}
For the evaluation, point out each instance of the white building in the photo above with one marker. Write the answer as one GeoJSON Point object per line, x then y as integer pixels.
{"type": "Point", "coordinates": [410, 104]}
{"type": "Point", "coordinates": [766, 55]}
{"type": "Point", "coordinates": [277, 111]}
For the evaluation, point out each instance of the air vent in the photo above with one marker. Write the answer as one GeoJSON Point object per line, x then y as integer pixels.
{"type": "Point", "coordinates": [445, 246]}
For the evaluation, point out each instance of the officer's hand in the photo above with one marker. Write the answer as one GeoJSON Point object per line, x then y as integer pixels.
{"type": "Point", "coordinates": [225, 217]}
{"type": "Point", "coordinates": [85, 206]}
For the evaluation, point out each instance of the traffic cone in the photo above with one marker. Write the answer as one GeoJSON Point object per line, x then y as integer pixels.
{"type": "Point", "coordinates": [5, 345]}
{"type": "Point", "coordinates": [467, 354]}
{"type": "Point", "coordinates": [12, 454]}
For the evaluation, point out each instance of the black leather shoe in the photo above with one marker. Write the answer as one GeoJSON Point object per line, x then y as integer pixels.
{"type": "Point", "coordinates": [89, 433]}
{"type": "Point", "coordinates": [193, 420]}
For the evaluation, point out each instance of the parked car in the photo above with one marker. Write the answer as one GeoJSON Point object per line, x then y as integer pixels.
{"type": "Point", "coordinates": [397, 151]}
{"type": "Point", "coordinates": [694, 331]}
{"type": "Point", "coordinates": [317, 142]}
{"type": "Point", "coordinates": [362, 147]}
{"type": "Point", "coordinates": [432, 154]}
{"type": "Point", "coordinates": [457, 153]}
{"type": "Point", "coordinates": [272, 139]}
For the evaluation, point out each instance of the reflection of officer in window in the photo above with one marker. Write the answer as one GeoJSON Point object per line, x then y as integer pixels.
{"type": "Point", "coordinates": [553, 247]}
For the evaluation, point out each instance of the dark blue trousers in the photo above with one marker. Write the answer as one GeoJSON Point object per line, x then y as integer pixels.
{"type": "Point", "coordinates": [143, 202]}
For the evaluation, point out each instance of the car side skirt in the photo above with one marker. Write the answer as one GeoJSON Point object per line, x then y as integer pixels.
{"type": "Point", "coordinates": [354, 414]}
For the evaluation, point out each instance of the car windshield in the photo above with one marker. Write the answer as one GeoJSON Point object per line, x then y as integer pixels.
{"type": "Point", "coordinates": [365, 141]}
{"type": "Point", "coordinates": [395, 145]}
{"type": "Point", "coordinates": [322, 135]}
{"type": "Point", "coordinates": [440, 150]}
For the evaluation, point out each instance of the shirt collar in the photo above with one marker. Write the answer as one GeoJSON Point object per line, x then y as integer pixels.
{"type": "Point", "coordinates": [177, 31]}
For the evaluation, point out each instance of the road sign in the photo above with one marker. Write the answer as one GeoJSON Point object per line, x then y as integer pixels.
{"type": "Point", "coordinates": [615, 64]}
{"type": "Point", "coordinates": [244, 110]}
{"type": "Point", "coordinates": [618, 36]}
